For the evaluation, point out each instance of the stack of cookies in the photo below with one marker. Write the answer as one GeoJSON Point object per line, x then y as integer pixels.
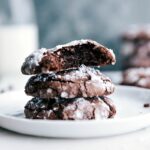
{"type": "Point", "coordinates": [136, 56]}
{"type": "Point", "coordinates": [136, 47]}
{"type": "Point", "coordinates": [64, 85]}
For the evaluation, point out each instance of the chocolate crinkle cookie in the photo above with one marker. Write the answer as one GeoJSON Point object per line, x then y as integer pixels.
{"type": "Point", "coordinates": [137, 77]}
{"type": "Point", "coordinates": [70, 55]}
{"type": "Point", "coordinates": [73, 109]}
{"type": "Point", "coordinates": [72, 83]}
{"type": "Point", "coordinates": [135, 46]}
{"type": "Point", "coordinates": [64, 85]}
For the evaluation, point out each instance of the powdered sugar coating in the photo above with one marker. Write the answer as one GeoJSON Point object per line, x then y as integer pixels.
{"type": "Point", "coordinates": [32, 61]}
{"type": "Point", "coordinates": [142, 82]}
{"type": "Point", "coordinates": [83, 71]}
{"type": "Point", "coordinates": [82, 109]}
{"type": "Point", "coordinates": [76, 42]}
{"type": "Point", "coordinates": [36, 56]}
{"type": "Point", "coordinates": [64, 94]}
{"type": "Point", "coordinates": [102, 111]}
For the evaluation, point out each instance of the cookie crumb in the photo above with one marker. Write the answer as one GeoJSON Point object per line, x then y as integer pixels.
{"type": "Point", "coordinates": [146, 105]}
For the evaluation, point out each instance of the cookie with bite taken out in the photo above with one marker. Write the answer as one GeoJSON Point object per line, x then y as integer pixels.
{"type": "Point", "coordinates": [70, 55]}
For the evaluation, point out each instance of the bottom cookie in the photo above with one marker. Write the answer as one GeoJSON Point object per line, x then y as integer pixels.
{"type": "Point", "coordinates": [74, 109]}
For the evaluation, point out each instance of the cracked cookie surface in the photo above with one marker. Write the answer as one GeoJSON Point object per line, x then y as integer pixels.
{"type": "Point", "coordinates": [71, 83]}
{"type": "Point", "coordinates": [70, 55]}
{"type": "Point", "coordinates": [73, 109]}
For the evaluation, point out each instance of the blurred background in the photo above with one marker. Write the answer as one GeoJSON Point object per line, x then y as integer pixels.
{"type": "Point", "coordinates": [52, 22]}
{"type": "Point", "coordinates": [26, 25]}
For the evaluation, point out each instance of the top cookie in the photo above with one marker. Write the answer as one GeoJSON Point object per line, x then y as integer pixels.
{"type": "Point", "coordinates": [70, 55]}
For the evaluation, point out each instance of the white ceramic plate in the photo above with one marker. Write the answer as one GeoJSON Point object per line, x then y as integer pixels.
{"type": "Point", "coordinates": [131, 116]}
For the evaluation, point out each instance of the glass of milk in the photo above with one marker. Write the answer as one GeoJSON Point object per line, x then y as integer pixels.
{"type": "Point", "coordinates": [18, 34]}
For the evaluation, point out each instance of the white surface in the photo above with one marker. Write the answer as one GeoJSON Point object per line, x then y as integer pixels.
{"type": "Point", "coordinates": [139, 140]}
{"type": "Point", "coordinates": [131, 116]}
{"type": "Point", "coordinates": [133, 141]}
